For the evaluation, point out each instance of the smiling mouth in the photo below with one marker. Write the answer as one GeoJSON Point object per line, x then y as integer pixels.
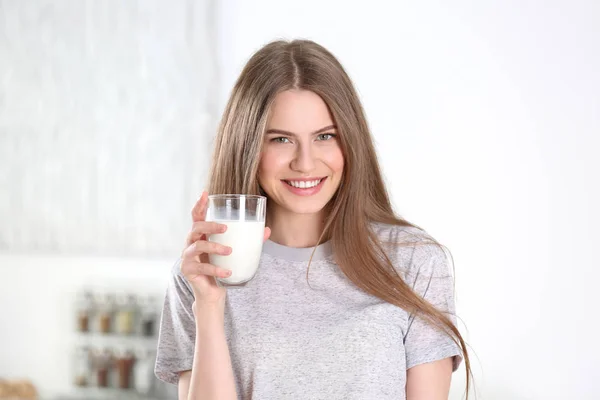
{"type": "Point", "coordinates": [304, 184]}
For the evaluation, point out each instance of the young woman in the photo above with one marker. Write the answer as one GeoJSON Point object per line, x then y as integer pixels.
{"type": "Point", "coordinates": [350, 301]}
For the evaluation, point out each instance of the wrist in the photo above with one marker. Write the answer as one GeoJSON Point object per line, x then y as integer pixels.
{"type": "Point", "coordinates": [208, 311]}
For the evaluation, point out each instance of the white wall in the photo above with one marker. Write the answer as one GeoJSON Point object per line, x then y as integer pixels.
{"type": "Point", "coordinates": [104, 107]}
{"type": "Point", "coordinates": [486, 115]}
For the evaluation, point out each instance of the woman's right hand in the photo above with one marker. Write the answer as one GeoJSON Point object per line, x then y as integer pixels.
{"type": "Point", "coordinates": [195, 265]}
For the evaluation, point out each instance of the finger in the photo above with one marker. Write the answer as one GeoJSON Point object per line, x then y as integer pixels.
{"type": "Point", "coordinates": [197, 206]}
{"type": "Point", "coordinates": [193, 269]}
{"type": "Point", "coordinates": [267, 234]}
{"type": "Point", "coordinates": [201, 228]}
{"type": "Point", "coordinates": [199, 209]}
{"type": "Point", "coordinates": [204, 247]}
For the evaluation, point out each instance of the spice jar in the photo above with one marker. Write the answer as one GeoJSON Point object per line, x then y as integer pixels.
{"type": "Point", "coordinates": [148, 316]}
{"type": "Point", "coordinates": [82, 366]}
{"type": "Point", "coordinates": [143, 373]}
{"type": "Point", "coordinates": [124, 362]}
{"type": "Point", "coordinates": [102, 363]}
{"type": "Point", "coordinates": [84, 307]}
{"type": "Point", "coordinates": [125, 314]}
{"type": "Point", "coordinates": [105, 311]}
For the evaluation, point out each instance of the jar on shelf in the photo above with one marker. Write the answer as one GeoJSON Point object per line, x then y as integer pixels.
{"type": "Point", "coordinates": [124, 360]}
{"type": "Point", "coordinates": [84, 305]}
{"type": "Point", "coordinates": [148, 316]}
{"type": "Point", "coordinates": [125, 315]}
{"type": "Point", "coordinates": [82, 367]}
{"type": "Point", "coordinates": [102, 363]}
{"type": "Point", "coordinates": [105, 312]}
{"type": "Point", "coordinates": [143, 371]}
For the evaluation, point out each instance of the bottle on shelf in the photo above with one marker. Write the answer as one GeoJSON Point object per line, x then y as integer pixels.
{"type": "Point", "coordinates": [124, 360]}
{"type": "Point", "coordinates": [143, 375]}
{"type": "Point", "coordinates": [102, 363]}
{"type": "Point", "coordinates": [125, 314]}
{"type": "Point", "coordinates": [105, 312]}
{"type": "Point", "coordinates": [82, 366]}
{"type": "Point", "coordinates": [148, 316]}
{"type": "Point", "coordinates": [84, 305]}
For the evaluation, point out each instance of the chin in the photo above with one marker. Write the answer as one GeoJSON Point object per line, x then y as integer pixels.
{"type": "Point", "coordinates": [306, 209]}
{"type": "Point", "coordinates": [299, 205]}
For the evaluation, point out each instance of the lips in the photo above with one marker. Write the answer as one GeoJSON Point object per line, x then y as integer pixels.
{"type": "Point", "coordinates": [304, 184]}
{"type": "Point", "coordinates": [304, 187]}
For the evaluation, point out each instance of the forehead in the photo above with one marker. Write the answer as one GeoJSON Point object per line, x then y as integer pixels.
{"type": "Point", "coordinates": [299, 111]}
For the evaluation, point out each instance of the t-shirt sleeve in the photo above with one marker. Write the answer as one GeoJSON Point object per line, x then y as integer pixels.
{"type": "Point", "coordinates": [430, 277]}
{"type": "Point", "coordinates": [176, 339]}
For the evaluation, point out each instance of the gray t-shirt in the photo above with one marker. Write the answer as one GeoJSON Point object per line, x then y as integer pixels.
{"type": "Point", "coordinates": [329, 340]}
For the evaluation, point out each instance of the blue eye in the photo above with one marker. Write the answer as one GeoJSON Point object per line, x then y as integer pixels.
{"type": "Point", "coordinates": [326, 136]}
{"type": "Point", "coordinates": [280, 140]}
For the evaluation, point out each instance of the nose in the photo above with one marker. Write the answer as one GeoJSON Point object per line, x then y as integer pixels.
{"type": "Point", "coordinates": [304, 159]}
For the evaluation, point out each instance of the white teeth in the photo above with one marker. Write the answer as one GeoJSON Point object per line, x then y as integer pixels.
{"type": "Point", "coordinates": [304, 184]}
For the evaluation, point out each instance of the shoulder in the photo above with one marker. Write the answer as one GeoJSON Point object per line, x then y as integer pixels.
{"type": "Point", "coordinates": [412, 250]}
{"type": "Point", "coordinates": [388, 233]}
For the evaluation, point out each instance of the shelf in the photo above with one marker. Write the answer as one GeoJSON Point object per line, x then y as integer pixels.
{"type": "Point", "coordinates": [96, 393]}
{"type": "Point", "coordinates": [115, 336]}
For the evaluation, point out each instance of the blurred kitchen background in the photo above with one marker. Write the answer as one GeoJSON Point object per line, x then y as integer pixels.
{"type": "Point", "coordinates": [486, 117]}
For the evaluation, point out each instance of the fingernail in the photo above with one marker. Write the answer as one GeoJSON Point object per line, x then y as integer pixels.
{"type": "Point", "coordinates": [227, 250]}
{"type": "Point", "coordinates": [227, 273]}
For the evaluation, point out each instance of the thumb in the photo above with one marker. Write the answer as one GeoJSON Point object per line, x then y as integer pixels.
{"type": "Point", "coordinates": [267, 234]}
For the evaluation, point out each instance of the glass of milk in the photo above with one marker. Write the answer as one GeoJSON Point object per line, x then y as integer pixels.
{"type": "Point", "coordinates": [244, 216]}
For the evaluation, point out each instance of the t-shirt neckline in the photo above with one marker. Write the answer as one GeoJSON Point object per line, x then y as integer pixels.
{"type": "Point", "coordinates": [322, 251]}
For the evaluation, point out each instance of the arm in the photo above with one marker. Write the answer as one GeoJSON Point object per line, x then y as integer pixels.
{"type": "Point", "coordinates": [211, 376]}
{"type": "Point", "coordinates": [430, 381]}
{"type": "Point", "coordinates": [183, 387]}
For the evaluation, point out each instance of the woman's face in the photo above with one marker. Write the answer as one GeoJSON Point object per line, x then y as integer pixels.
{"type": "Point", "coordinates": [302, 163]}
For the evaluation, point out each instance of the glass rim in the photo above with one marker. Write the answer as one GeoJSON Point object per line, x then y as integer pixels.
{"type": "Point", "coordinates": [236, 196]}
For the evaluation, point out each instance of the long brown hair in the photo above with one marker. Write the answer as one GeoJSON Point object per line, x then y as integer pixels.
{"type": "Point", "coordinates": [361, 199]}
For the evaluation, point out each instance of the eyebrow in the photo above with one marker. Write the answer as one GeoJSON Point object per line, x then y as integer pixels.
{"type": "Point", "coordinates": [282, 132]}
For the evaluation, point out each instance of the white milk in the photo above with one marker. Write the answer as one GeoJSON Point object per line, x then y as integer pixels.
{"type": "Point", "coordinates": [246, 240]}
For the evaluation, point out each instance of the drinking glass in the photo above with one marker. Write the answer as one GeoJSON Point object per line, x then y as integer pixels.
{"type": "Point", "coordinates": [244, 216]}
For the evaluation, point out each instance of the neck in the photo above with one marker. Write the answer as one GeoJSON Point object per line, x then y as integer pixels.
{"type": "Point", "coordinates": [295, 230]}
